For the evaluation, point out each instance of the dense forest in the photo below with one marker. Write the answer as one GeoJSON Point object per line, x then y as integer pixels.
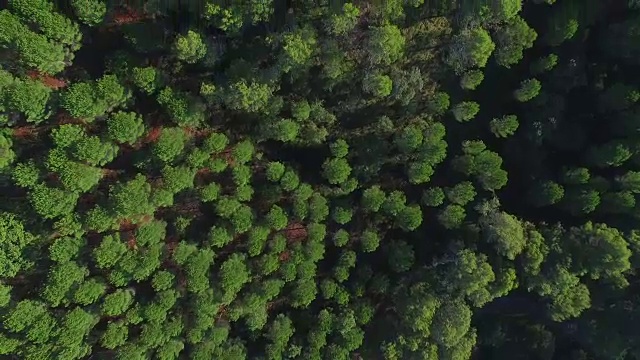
{"type": "Point", "coordinates": [320, 179]}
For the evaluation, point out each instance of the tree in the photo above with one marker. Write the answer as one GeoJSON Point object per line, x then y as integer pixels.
{"type": "Point", "coordinates": [125, 127]}
{"type": "Point", "coordinates": [400, 256]}
{"type": "Point", "coordinates": [600, 251]}
{"type": "Point", "coordinates": [24, 175]}
{"type": "Point", "coordinates": [409, 139]}
{"type": "Point", "coordinates": [409, 218]}
{"type": "Point", "coordinates": [342, 215]}
{"type": "Point", "coordinates": [90, 12]}
{"type": "Point", "coordinates": [79, 177]}
{"type": "Point", "coordinates": [184, 109]}
{"type": "Point", "coordinates": [277, 218]}
{"type": "Point", "coordinates": [298, 47]}
{"type": "Point", "coordinates": [439, 103]}
{"type": "Point", "coordinates": [562, 24]}
{"type": "Point", "coordinates": [336, 170]}
{"type": "Point", "coordinates": [465, 111]}
{"type": "Point", "coordinates": [568, 296]}
{"type": "Point", "coordinates": [543, 64]}
{"type": "Point", "coordinates": [505, 126]}
{"type": "Point", "coordinates": [170, 144]}
{"type": "Point", "coordinates": [461, 194]}
{"type": "Point", "coordinates": [233, 275]}
{"type": "Point", "coordinates": [575, 176]}
{"type": "Point", "coordinates": [580, 201]}
{"type": "Point", "coordinates": [545, 193]}
{"type": "Point", "coordinates": [339, 148]}
{"type": "Point", "coordinates": [613, 153]}
{"type": "Point", "coordinates": [630, 181]}
{"type": "Point", "coordinates": [88, 100]}
{"type": "Point", "coordinates": [35, 50]}
{"type": "Point", "coordinates": [189, 47]}
{"type": "Point", "coordinates": [511, 40]}
{"type": "Point", "coordinates": [487, 167]}
{"type": "Point", "coordinates": [470, 48]}
{"type": "Point", "coordinates": [243, 151]}
{"type": "Point", "coordinates": [343, 22]}
{"type": "Point", "coordinates": [93, 151]}
{"type": "Point", "coordinates": [52, 24]}
{"type": "Point", "coordinates": [377, 85]}
{"type": "Point", "coordinates": [118, 302]}
{"type": "Point", "coordinates": [280, 331]}
{"type": "Point", "coordinates": [528, 90]}
{"type": "Point", "coordinates": [394, 203]}
{"type": "Point", "coordinates": [505, 232]}
{"type": "Point", "coordinates": [372, 199]}
{"type": "Point", "coordinates": [419, 172]}
{"type": "Point", "coordinates": [30, 98]}
{"type": "Point", "coordinates": [406, 85]}
{"type": "Point", "coordinates": [433, 197]}
{"type": "Point", "coordinates": [470, 275]}
{"type": "Point", "coordinates": [251, 98]}
{"type": "Point", "coordinates": [451, 216]}
{"type": "Point", "coordinates": [451, 322]}
{"type": "Point", "coordinates": [146, 79]}
{"type": "Point", "coordinates": [31, 318]}
{"type": "Point", "coordinates": [61, 279]}
{"type": "Point", "coordinates": [14, 242]}
{"type": "Point", "coordinates": [385, 45]}
{"type": "Point", "coordinates": [51, 202]}
{"type": "Point", "coordinates": [471, 79]}
{"type": "Point", "coordinates": [370, 240]}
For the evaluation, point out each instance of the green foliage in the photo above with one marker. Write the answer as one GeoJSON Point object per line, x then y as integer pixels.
{"type": "Point", "coordinates": [117, 303]}
{"type": "Point", "coordinates": [30, 98]}
{"type": "Point", "coordinates": [252, 97]}
{"type": "Point", "coordinates": [461, 194]}
{"type": "Point", "coordinates": [511, 40]}
{"type": "Point", "coordinates": [190, 47]}
{"type": "Point", "coordinates": [385, 44]}
{"type": "Point", "coordinates": [433, 197]}
{"type": "Point", "coordinates": [131, 198]}
{"type": "Point", "coordinates": [51, 202]}
{"type": "Point", "coordinates": [88, 100]}
{"type": "Point", "coordinates": [298, 47]}
{"type": "Point", "coordinates": [92, 150]}
{"type": "Point", "coordinates": [90, 12]}
{"type": "Point", "coordinates": [471, 79]}
{"type": "Point", "coordinates": [377, 85]}
{"type": "Point", "coordinates": [505, 232]}
{"type": "Point", "coordinates": [15, 240]}
{"type": "Point", "coordinates": [336, 170]}
{"type": "Point", "coordinates": [451, 216]}
{"type": "Point", "coordinates": [400, 256]}
{"type": "Point", "coordinates": [7, 156]}
{"type": "Point", "coordinates": [543, 64]}
{"type": "Point", "coordinates": [546, 193]}
{"type": "Point", "coordinates": [125, 127]}
{"type": "Point", "coordinates": [470, 48]}
{"type": "Point", "coordinates": [439, 103]}
{"type": "Point", "coordinates": [184, 109]}
{"type": "Point", "coordinates": [145, 78]}
{"type": "Point", "coordinates": [528, 90]}
{"type": "Point", "coordinates": [170, 144]}
{"type": "Point", "coordinates": [233, 275]}
{"type": "Point", "coordinates": [505, 126]}
{"type": "Point", "coordinates": [465, 111]}
{"type": "Point", "coordinates": [343, 22]}
{"type": "Point", "coordinates": [35, 50]}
